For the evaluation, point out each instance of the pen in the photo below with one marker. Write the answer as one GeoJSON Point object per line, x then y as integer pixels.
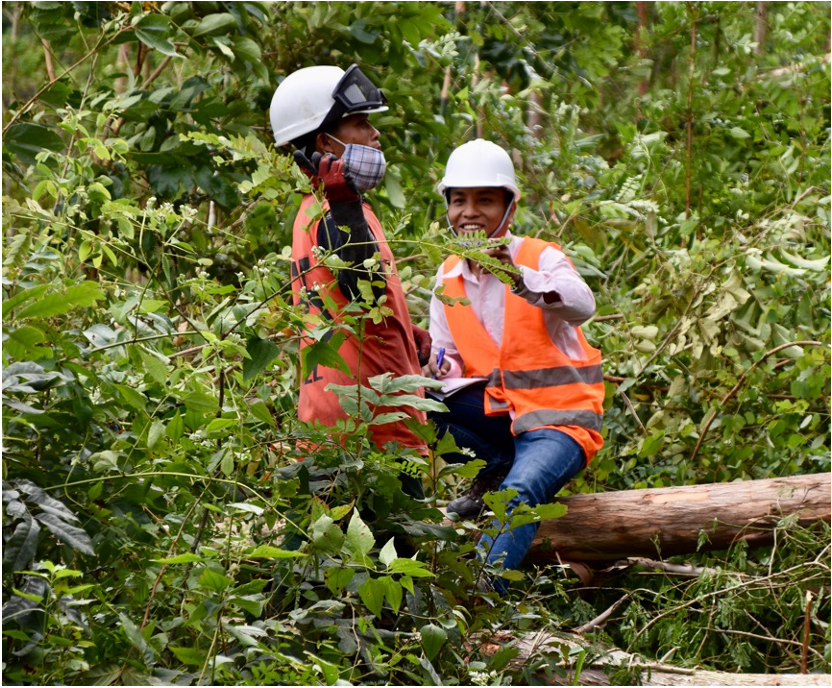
{"type": "Point", "coordinates": [439, 358]}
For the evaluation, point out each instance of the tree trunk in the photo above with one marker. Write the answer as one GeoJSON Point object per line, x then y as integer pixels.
{"type": "Point", "coordinates": [672, 520]}
{"type": "Point", "coordinates": [760, 27]}
{"type": "Point", "coordinates": [643, 672]}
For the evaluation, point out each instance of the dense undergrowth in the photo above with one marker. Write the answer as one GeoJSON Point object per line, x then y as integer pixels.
{"type": "Point", "coordinates": [166, 519]}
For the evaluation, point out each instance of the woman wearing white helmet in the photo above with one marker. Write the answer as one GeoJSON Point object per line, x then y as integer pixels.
{"type": "Point", "coordinates": [536, 416]}
{"type": "Point", "coordinates": [324, 112]}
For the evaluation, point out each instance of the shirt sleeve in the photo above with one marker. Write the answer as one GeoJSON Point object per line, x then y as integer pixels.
{"type": "Point", "coordinates": [440, 333]}
{"type": "Point", "coordinates": [574, 301]}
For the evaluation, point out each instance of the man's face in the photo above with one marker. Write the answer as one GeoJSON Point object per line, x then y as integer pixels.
{"type": "Point", "coordinates": [353, 129]}
{"type": "Point", "coordinates": [477, 209]}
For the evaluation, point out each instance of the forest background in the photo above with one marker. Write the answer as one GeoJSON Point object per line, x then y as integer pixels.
{"type": "Point", "coordinates": [678, 151]}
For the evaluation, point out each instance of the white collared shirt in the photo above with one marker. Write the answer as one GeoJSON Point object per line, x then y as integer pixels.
{"type": "Point", "coordinates": [575, 304]}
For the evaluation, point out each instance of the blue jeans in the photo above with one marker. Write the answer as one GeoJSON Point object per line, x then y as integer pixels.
{"type": "Point", "coordinates": [539, 463]}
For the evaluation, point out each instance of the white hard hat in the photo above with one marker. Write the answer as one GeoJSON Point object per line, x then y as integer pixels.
{"type": "Point", "coordinates": [479, 163]}
{"type": "Point", "coordinates": [309, 97]}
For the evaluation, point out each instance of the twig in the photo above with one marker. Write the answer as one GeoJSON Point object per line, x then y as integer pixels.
{"type": "Point", "coordinates": [51, 83]}
{"type": "Point", "coordinates": [804, 651]}
{"type": "Point", "coordinates": [679, 569]}
{"type": "Point", "coordinates": [769, 638]}
{"type": "Point", "coordinates": [173, 544]}
{"type": "Point", "coordinates": [601, 619]}
{"type": "Point", "coordinates": [47, 56]}
{"type": "Point", "coordinates": [712, 413]}
{"type": "Point", "coordinates": [730, 588]}
{"type": "Point", "coordinates": [633, 412]}
{"type": "Point", "coordinates": [156, 73]}
{"type": "Point", "coordinates": [676, 327]}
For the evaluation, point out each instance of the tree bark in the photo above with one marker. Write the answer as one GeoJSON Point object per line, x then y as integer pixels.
{"type": "Point", "coordinates": [671, 520]}
{"type": "Point", "coordinates": [648, 673]}
{"type": "Point", "coordinates": [760, 27]}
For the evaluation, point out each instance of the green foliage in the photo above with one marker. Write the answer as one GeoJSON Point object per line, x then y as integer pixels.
{"type": "Point", "coordinates": [167, 519]}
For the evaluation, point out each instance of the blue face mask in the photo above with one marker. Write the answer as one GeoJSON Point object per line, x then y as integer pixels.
{"type": "Point", "coordinates": [365, 165]}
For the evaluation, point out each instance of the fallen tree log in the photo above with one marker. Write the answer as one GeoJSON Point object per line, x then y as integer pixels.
{"type": "Point", "coordinates": [594, 672]}
{"type": "Point", "coordinates": [672, 520]}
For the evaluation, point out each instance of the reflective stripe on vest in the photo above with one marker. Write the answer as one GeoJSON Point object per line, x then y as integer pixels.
{"type": "Point", "coordinates": [528, 373]}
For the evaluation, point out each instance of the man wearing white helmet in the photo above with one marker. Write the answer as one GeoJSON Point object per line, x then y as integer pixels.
{"type": "Point", "coordinates": [536, 417]}
{"type": "Point", "coordinates": [324, 112]}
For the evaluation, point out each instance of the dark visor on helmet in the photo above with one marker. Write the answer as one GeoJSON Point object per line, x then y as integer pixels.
{"type": "Point", "coordinates": [356, 92]}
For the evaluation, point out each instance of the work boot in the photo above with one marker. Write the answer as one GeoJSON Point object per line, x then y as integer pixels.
{"type": "Point", "coordinates": [470, 504]}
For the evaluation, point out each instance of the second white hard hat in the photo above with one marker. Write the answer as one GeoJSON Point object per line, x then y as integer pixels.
{"type": "Point", "coordinates": [479, 163]}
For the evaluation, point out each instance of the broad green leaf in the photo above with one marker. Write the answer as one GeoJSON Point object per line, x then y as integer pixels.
{"type": "Point", "coordinates": [337, 579]}
{"type": "Point", "coordinates": [26, 140]}
{"type": "Point", "coordinates": [131, 397]}
{"type": "Point", "coordinates": [261, 412]}
{"type": "Point", "coordinates": [175, 427]}
{"type": "Point", "coordinates": [360, 538]}
{"type": "Point", "coordinates": [649, 332]}
{"type": "Point", "coordinates": [154, 367]}
{"type": "Point", "coordinates": [253, 604]}
{"type": "Point", "coordinates": [84, 295]}
{"type": "Point", "coordinates": [738, 133]}
{"type": "Point", "coordinates": [336, 513]}
{"type": "Point", "coordinates": [372, 595]}
{"type": "Point", "coordinates": [548, 511]}
{"type": "Point", "coordinates": [81, 295]}
{"type": "Point", "coordinates": [23, 296]}
{"type": "Point", "coordinates": [155, 432]}
{"type": "Point", "coordinates": [262, 352]}
{"type": "Point", "coordinates": [76, 538]}
{"type": "Point", "coordinates": [388, 553]}
{"type": "Point", "coordinates": [23, 344]}
{"type": "Point", "coordinates": [102, 675]}
{"type": "Point", "coordinates": [21, 547]}
{"type": "Point", "coordinates": [503, 656]}
{"type": "Point", "coordinates": [188, 655]}
{"type": "Point", "coordinates": [269, 552]}
{"type": "Point", "coordinates": [393, 592]}
{"type": "Point", "coordinates": [221, 22]}
{"type": "Point", "coordinates": [463, 470]}
{"type": "Point", "coordinates": [433, 637]}
{"type": "Point", "coordinates": [394, 191]}
{"type": "Point", "coordinates": [200, 402]}
{"type": "Point", "coordinates": [220, 424]}
{"type": "Point", "coordinates": [410, 567]}
{"type": "Point", "coordinates": [246, 49]}
{"type": "Point", "coordinates": [324, 354]}
{"type": "Point", "coordinates": [327, 536]}
{"type": "Point", "coordinates": [186, 558]}
{"type": "Point", "coordinates": [53, 304]}
{"type": "Point", "coordinates": [154, 30]}
{"type": "Point", "coordinates": [214, 580]}
{"type": "Point", "coordinates": [134, 635]}
{"type": "Point", "coordinates": [227, 463]}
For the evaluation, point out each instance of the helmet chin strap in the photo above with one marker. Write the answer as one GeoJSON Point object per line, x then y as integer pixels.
{"type": "Point", "coordinates": [503, 221]}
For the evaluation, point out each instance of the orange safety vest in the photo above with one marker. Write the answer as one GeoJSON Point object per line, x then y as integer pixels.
{"type": "Point", "coordinates": [387, 346]}
{"type": "Point", "coordinates": [528, 374]}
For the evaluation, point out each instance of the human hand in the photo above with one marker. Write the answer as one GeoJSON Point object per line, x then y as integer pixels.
{"type": "Point", "coordinates": [502, 254]}
{"type": "Point", "coordinates": [329, 171]}
{"type": "Point", "coordinates": [435, 368]}
{"type": "Point", "coordinates": [423, 342]}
